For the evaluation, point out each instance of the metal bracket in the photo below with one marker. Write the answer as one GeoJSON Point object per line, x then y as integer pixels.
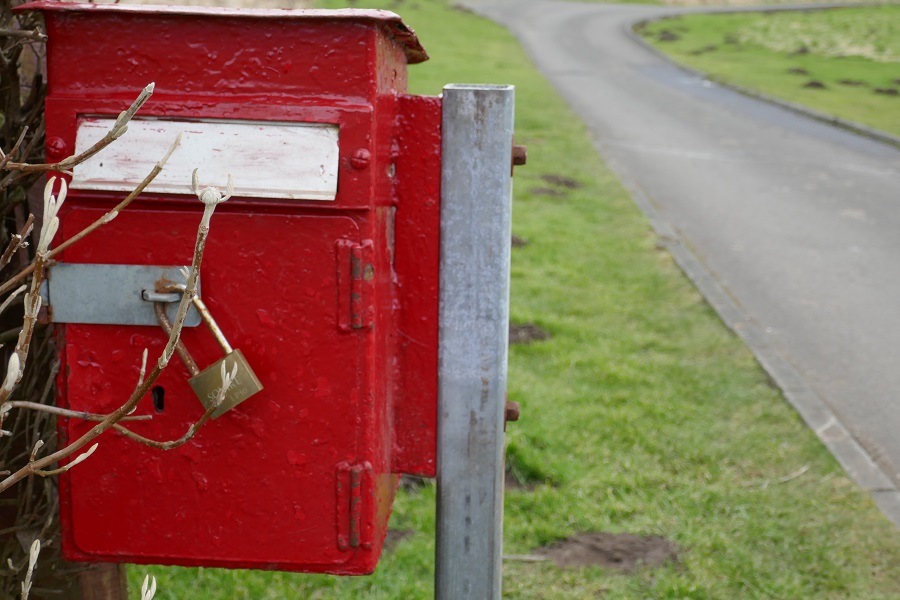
{"type": "Point", "coordinates": [110, 294]}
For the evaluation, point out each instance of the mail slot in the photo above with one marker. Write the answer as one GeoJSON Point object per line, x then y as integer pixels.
{"type": "Point", "coordinates": [322, 268]}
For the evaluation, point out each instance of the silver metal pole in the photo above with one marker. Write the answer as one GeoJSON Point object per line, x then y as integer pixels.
{"type": "Point", "coordinates": [476, 209]}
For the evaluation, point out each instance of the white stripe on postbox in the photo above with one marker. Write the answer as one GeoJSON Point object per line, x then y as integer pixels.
{"type": "Point", "coordinates": [293, 161]}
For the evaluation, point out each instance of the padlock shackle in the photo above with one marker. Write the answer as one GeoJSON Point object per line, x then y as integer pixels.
{"type": "Point", "coordinates": [180, 348]}
{"type": "Point", "coordinates": [205, 315]}
{"type": "Point", "coordinates": [211, 323]}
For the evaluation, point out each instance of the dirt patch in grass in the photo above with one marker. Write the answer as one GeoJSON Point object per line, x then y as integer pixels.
{"type": "Point", "coordinates": [704, 50]}
{"type": "Point", "coordinates": [853, 82]}
{"type": "Point", "coordinates": [518, 242]}
{"type": "Point", "coordinates": [394, 537]}
{"type": "Point", "coordinates": [562, 181]}
{"type": "Point", "coordinates": [798, 71]}
{"type": "Point", "coordinates": [545, 191]}
{"type": "Point", "coordinates": [887, 91]}
{"type": "Point", "coordinates": [525, 333]}
{"type": "Point", "coordinates": [620, 551]}
{"type": "Point", "coordinates": [667, 36]}
{"type": "Point", "coordinates": [512, 482]}
{"type": "Point", "coordinates": [815, 85]}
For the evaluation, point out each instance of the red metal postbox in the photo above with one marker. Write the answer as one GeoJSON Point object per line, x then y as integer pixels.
{"type": "Point", "coordinates": [322, 269]}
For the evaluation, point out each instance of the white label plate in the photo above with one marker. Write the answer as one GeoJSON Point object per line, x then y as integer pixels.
{"type": "Point", "coordinates": [295, 161]}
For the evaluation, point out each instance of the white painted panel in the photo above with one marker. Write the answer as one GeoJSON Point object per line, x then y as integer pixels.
{"type": "Point", "coordinates": [296, 161]}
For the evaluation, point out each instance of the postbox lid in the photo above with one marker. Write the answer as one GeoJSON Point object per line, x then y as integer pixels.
{"type": "Point", "coordinates": [404, 34]}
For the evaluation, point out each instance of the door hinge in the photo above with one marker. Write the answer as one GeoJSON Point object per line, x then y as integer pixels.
{"type": "Point", "coordinates": [354, 506]}
{"type": "Point", "coordinates": [356, 285]}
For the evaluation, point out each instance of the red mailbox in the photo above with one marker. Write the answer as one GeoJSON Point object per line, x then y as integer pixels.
{"type": "Point", "coordinates": [322, 269]}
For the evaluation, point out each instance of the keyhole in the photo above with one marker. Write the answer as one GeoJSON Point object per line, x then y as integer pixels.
{"type": "Point", "coordinates": [159, 398]}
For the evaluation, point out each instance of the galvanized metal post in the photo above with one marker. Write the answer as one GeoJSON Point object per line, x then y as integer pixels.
{"type": "Point", "coordinates": [476, 209]}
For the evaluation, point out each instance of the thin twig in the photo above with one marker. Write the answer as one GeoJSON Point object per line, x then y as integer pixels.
{"type": "Point", "coordinates": [109, 216]}
{"type": "Point", "coordinates": [18, 240]}
{"type": "Point", "coordinates": [227, 379]}
{"type": "Point", "coordinates": [78, 460]}
{"type": "Point", "coordinates": [172, 444]}
{"type": "Point", "coordinates": [21, 275]}
{"type": "Point", "coordinates": [65, 412]}
{"type": "Point", "coordinates": [18, 33]}
{"type": "Point", "coordinates": [9, 300]}
{"type": "Point", "coordinates": [5, 158]}
{"type": "Point", "coordinates": [37, 466]}
{"type": "Point", "coordinates": [32, 561]}
{"type": "Point", "coordinates": [117, 130]}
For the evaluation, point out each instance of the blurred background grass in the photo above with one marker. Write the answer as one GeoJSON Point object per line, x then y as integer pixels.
{"type": "Point", "coordinates": [843, 62]}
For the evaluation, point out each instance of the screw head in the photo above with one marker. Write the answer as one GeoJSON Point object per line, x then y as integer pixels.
{"type": "Point", "coordinates": [360, 159]}
{"type": "Point", "coordinates": [56, 147]}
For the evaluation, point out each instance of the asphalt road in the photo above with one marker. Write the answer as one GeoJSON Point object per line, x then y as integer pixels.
{"type": "Point", "coordinates": [789, 226]}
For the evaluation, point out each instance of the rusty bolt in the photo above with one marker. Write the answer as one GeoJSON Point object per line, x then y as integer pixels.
{"type": "Point", "coordinates": [519, 155]}
{"type": "Point", "coordinates": [360, 159]}
{"type": "Point", "coordinates": [512, 411]}
{"type": "Point", "coordinates": [56, 147]}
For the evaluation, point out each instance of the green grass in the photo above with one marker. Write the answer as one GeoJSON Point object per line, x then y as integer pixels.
{"type": "Point", "coordinates": [843, 62]}
{"type": "Point", "coordinates": [641, 414]}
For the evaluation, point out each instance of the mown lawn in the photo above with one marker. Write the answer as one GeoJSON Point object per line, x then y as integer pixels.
{"type": "Point", "coordinates": [843, 62]}
{"type": "Point", "coordinates": [641, 413]}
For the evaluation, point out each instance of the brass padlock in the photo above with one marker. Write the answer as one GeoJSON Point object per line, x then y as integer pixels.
{"type": "Point", "coordinates": [208, 382]}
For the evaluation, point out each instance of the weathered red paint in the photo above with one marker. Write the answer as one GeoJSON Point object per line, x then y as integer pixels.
{"type": "Point", "coordinates": [334, 304]}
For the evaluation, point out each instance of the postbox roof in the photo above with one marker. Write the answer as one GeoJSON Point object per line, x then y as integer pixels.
{"type": "Point", "coordinates": [404, 34]}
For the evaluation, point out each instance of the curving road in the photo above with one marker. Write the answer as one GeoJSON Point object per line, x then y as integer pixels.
{"type": "Point", "coordinates": [789, 226]}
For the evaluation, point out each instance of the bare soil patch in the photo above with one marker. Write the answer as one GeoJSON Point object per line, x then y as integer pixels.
{"type": "Point", "coordinates": [394, 537]}
{"type": "Point", "coordinates": [798, 71]}
{"type": "Point", "coordinates": [621, 551]}
{"type": "Point", "coordinates": [562, 181]}
{"type": "Point", "coordinates": [668, 36]}
{"type": "Point", "coordinates": [515, 481]}
{"type": "Point", "coordinates": [704, 50]}
{"type": "Point", "coordinates": [545, 191]}
{"type": "Point", "coordinates": [815, 85]}
{"type": "Point", "coordinates": [525, 333]}
{"type": "Point", "coordinates": [518, 242]}
{"type": "Point", "coordinates": [888, 91]}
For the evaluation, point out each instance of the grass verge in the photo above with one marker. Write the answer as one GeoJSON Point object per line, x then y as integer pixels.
{"type": "Point", "coordinates": [843, 62]}
{"type": "Point", "coordinates": [641, 413]}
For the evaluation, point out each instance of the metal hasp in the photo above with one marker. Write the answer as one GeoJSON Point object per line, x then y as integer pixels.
{"type": "Point", "coordinates": [476, 209]}
{"type": "Point", "coordinates": [108, 294]}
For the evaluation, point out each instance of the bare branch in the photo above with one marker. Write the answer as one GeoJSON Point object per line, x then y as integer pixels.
{"type": "Point", "coordinates": [9, 300]}
{"type": "Point", "coordinates": [37, 466]}
{"type": "Point", "coordinates": [65, 412]}
{"type": "Point", "coordinates": [121, 205]}
{"type": "Point", "coordinates": [78, 459]}
{"type": "Point", "coordinates": [32, 561]}
{"type": "Point", "coordinates": [5, 158]}
{"type": "Point", "coordinates": [20, 33]}
{"type": "Point", "coordinates": [18, 240]}
{"type": "Point", "coordinates": [21, 275]}
{"type": "Point", "coordinates": [171, 444]}
{"type": "Point", "coordinates": [117, 130]}
{"type": "Point", "coordinates": [227, 379]}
